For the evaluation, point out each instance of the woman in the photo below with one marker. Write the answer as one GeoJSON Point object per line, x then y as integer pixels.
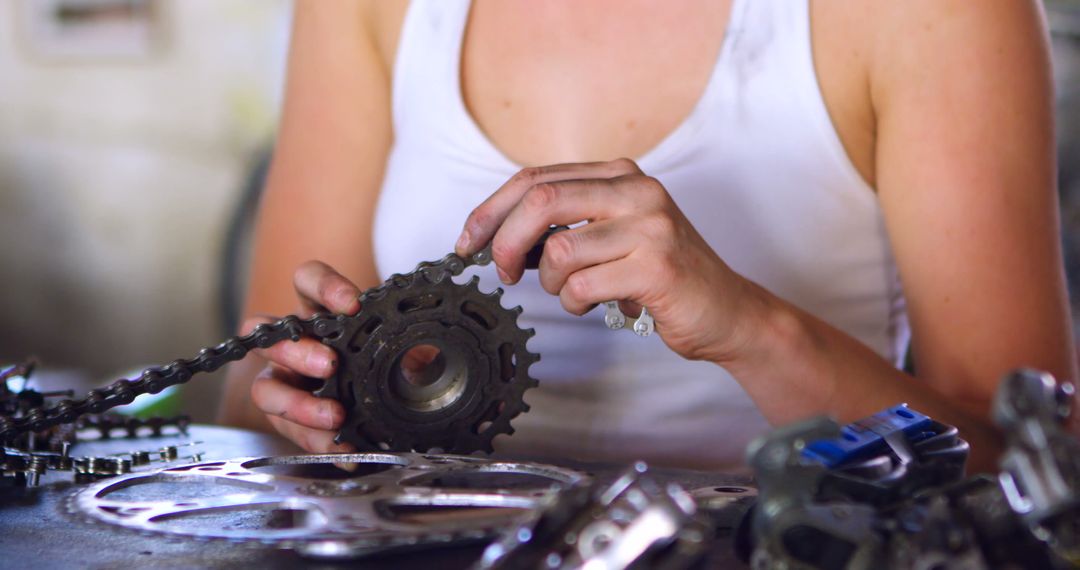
{"type": "Point", "coordinates": [812, 181]}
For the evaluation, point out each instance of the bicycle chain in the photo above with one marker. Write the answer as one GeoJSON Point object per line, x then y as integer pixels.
{"type": "Point", "coordinates": [107, 424]}
{"type": "Point", "coordinates": [325, 328]}
{"type": "Point", "coordinates": [156, 379]}
{"type": "Point", "coordinates": [23, 468]}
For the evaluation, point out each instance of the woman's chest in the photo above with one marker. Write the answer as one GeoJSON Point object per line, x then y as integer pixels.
{"type": "Point", "coordinates": [552, 82]}
{"type": "Point", "coordinates": [559, 81]}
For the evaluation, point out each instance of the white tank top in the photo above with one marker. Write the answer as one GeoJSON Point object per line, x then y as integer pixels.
{"type": "Point", "coordinates": [758, 169]}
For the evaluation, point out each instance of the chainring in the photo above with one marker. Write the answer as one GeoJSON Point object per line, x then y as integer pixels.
{"type": "Point", "coordinates": [469, 392]}
{"type": "Point", "coordinates": [385, 502]}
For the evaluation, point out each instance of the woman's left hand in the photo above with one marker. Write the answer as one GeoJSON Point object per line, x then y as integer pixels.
{"type": "Point", "coordinates": [637, 247]}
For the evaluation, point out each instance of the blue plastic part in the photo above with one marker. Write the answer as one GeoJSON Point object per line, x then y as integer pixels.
{"type": "Point", "coordinates": [865, 437]}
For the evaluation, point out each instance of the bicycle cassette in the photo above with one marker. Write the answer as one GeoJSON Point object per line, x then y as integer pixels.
{"type": "Point", "coordinates": [467, 387]}
{"type": "Point", "coordinates": [473, 377]}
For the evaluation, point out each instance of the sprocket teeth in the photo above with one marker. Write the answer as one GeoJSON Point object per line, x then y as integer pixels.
{"type": "Point", "coordinates": [361, 540]}
{"type": "Point", "coordinates": [328, 390]}
{"type": "Point", "coordinates": [372, 417]}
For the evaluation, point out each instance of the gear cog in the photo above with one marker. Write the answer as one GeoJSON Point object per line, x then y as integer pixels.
{"type": "Point", "coordinates": [469, 389]}
{"type": "Point", "coordinates": [468, 392]}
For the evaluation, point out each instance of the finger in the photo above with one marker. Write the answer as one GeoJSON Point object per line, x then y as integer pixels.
{"type": "Point", "coordinates": [591, 244]}
{"type": "Point", "coordinates": [306, 356]}
{"type": "Point", "coordinates": [312, 440]}
{"type": "Point", "coordinates": [482, 223]}
{"type": "Point", "coordinates": [323, 289]}
{"type": "Point", "coordinates": [275, 393]}
{"type": "Point", "coordinates": [617, 280]}
{"type": "Point", "coordinates": [564, 203]}
{"type": "Point", "coordinates": [630, 309]}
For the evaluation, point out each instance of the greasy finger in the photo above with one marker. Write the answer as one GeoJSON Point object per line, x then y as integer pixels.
{"type": "Point", "coordinates": [591, 244]}
{"type": "Point", "coordinates": [563, 203]}
{"type": "Point", "coordinates": [484, 221]}
{"type": "Point", "coordinates": [274, 392]}
{"type": "Point", "coordinates": [312, 440]}
{"type": "Point", "coordinates": [586, 288]}
{"type": "Point", "coordinates": [306, 356]}
{"type": "Point", "coordinates": [322, 288]}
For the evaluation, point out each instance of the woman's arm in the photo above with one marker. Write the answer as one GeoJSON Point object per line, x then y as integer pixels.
{"type": "Point", "coordinates": [965, 172]}
{"type": "Point", "coordinates": [967, 182]}
{"type": "Point", "coordinates": [327, 169]}
{"type": "Point", "coordinates": [966, 177]}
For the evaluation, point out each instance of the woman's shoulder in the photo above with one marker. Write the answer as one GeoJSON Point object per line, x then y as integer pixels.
{"type": "Point", "coordinates": [364, 24]}
{"type": "Point", "coordinates": [869, 54]}
{"type": "Point", "coordinates": [892, 33]}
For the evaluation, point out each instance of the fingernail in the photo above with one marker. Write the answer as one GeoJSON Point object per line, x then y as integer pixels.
{"type": "Point", "coordinates": [322, 361]}
{"type": "Point", "coordinates": [326, 414]}
{"type": "Point", "coordinates": [345, 300]}
{"type": "Point", "coordinates": [462, 244]}
{"type": "Point", "coordinates": [502, 275]}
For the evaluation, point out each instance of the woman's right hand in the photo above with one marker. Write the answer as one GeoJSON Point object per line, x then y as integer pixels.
{"type": "Point", "coordinates": [283, 390]}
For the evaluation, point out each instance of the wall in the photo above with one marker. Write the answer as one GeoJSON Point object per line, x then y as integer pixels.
{"type": "Point", "coordinates": [117, 179]}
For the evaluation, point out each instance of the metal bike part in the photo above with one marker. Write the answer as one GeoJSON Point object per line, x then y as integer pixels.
{"type": "Point", "coordinates": [726, 505]}
{"type": "Point", "coordinates": [107, 425]}
{"type": "Point", "coordinates": [615, 319]}
{"type": "Point", "coordinates": [934, 535]}
{"type": "Point", "coordinates": [888, 457]}
{"type": "Point", "coordinates": [305, 503]}
{"type": "Point", "coordinates": [789, 527]}
{"type": "Point", "coordinates": [461, 409]}
{"type": "Point", "coordinates": [26, 468]}
{"type": "Point", "coordinates": [1040, 469]}
{"type": "Point", "coordinates": [632, 523]}
{"type": "Point", "coordinates": [464, 396]}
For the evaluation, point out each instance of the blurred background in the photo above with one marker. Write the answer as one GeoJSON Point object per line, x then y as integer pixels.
{"type": "Point", "coordinates": [128, 130]}
{"type": "Point", "coordinates": [133, 137]}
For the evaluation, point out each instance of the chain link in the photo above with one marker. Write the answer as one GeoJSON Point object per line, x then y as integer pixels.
{"type": "Point", "coordinates": [320, 326]}
{"type": "Point", "coordinates": [156, 379]}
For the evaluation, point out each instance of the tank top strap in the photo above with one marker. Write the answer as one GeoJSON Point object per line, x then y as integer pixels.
{"type": "Point", "coordinates": [772, 55]}
{"type": "Point", "coordinates": [427, 85]}
{"type": "Point", "coordinates": [428, 58]}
